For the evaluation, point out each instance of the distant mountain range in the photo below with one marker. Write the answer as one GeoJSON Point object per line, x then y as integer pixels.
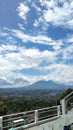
{"type": "Point", "coordinates": [40, 85]}
{"type": "Point", "coordinates": [48, 85]}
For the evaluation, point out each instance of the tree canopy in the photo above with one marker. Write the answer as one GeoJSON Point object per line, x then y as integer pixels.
{"type": "Point", "coordinates": [3, 108]}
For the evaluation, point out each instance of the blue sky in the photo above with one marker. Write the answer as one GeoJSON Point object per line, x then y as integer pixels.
{"type": "Point", "coordinates": [36, 41]}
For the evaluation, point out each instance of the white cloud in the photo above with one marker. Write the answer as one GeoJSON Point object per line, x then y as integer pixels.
{"type": "Point", "coordinates": [55, 12]}
{"type": "Point", "coordinates": [23, 10]}
{"type": "Point", "coordinates": [47, 3]}
{"type": "Point", "coordinates": [69, 39]}
{"type": "Point", "coordinates": [36, 23]}
{"type": "Point", "coordinates": [39, 39]}
{"type": "Point", "coordinates": [38, 9]}
{"type": "Point", "coordinates": [58, 13]}
{"type": "Point", "coordinates": [68, 53]}
{"type": "Point", "coordinates": [21, 26]}
{"type": "Point", "coordinates": [2, 34]}
{"type": "Point", "coordinates": [13, 62]}
{"type": "Point", "coordinates": [20, 60]}
{"type": "Point", "coordinates": [59, 72]}
{"type": "Point", "coordinates": [8, 48]}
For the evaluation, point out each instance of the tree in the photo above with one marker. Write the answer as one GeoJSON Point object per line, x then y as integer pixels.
{"type": "Point", "coordinates": [3, 109]}
{"type": "Point", "coordinates": [68, 91]}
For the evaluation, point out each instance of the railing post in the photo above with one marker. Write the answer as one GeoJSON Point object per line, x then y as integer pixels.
{"type": "Point", "coordinates": [1, 122]}
{"type": "Point", "coordinates": [63, 106]}
{"type": "Point", "coordinates": [36, 116]}
{"type": "Point", "coordinates": [58, 111]}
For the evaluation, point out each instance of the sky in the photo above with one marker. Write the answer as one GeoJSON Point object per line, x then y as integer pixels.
{"type": "Point", "coordinates": [36, 42]}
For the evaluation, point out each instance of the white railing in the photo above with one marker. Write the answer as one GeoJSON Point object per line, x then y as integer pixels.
{"type": "Point", "coordinates": [19, 119]}
{"type": "Point", "coordinates": [48, 113]}
{"type": "Point", "coordinates": [67, 103]}
{"type": "Point", "coordinates": [30, 118]}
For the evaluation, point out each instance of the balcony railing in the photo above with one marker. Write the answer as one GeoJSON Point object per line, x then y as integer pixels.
{"type": "Point", "coordinates": [30, 118]}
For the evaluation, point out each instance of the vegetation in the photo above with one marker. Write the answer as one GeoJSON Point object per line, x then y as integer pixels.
{"type": "Point", "coordinates": [3, 108]}
{"type": "Point", "coordinates": [14, 105]}
{"type": "Point", "coordinates": [17, 104]}
{"type": "Point", "coordinates": [69, 90]}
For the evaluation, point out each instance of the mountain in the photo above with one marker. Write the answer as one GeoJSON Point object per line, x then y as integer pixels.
{"type": "Point", "coordinates": [48, 85]}
{"type": "Point", "coordinates": [40, 85]}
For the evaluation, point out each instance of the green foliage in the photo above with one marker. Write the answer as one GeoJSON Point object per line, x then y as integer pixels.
{"type": "Point", "coordinates": [3, 108]}
{"type": "Point", "coordinates": [69, 90]}
{"type": "Point", "coordinates": [17, 104]}
{"type": "Point", "coordinates": [21, 104]}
